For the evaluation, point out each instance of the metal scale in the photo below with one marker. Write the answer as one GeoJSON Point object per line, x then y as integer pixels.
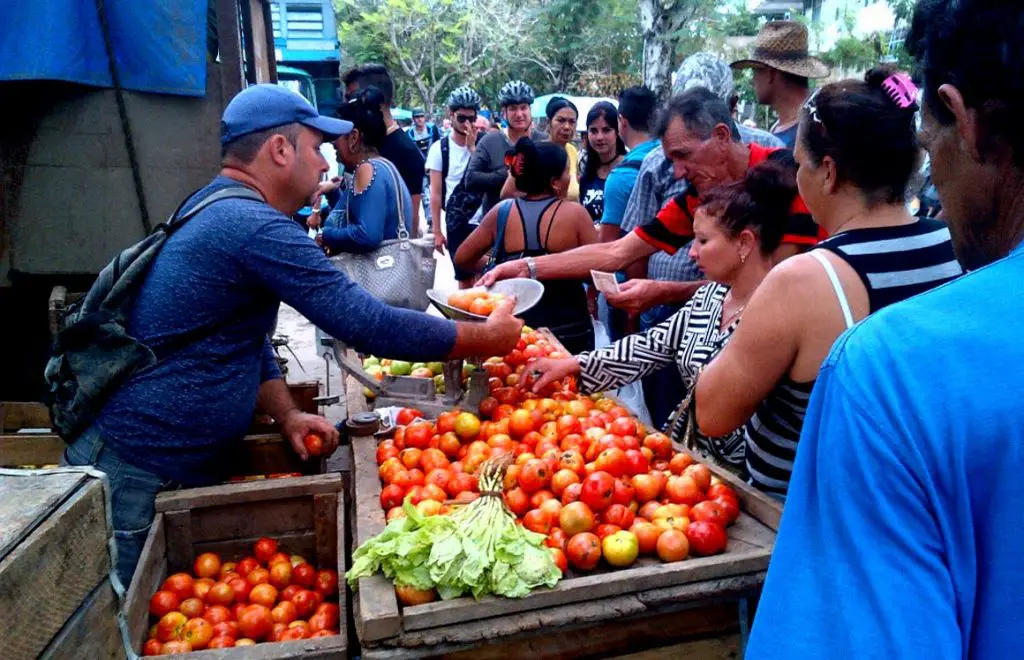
{"type": "Point", "coordinates": [403, 391]}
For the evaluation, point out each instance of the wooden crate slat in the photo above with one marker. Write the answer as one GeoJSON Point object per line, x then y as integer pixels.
{"type": "Point", "coordinates": [324, 648]}
{"type": "Point", "coordinates": [269, 518]}
{"type": "Point", "coordinates": [149, 574]}
{"type": "Point", "coordinates": [16, 415]}
{"type": "Point", "coordinates": [587, 588]}
{"type": "Point", "coordinates": [325, 524]}
{"type": "Point", "coordinates": [92, 632]}
{"type": "Point", "coordinates": [61, 563]}
{"type": "Point", "coordinates": [247, 492]}
{"type": "Point", "coordinates": [179, 540]}
{"type": "Point", "coordinates": [31, 449]}
{"type": "Point", "coordinates": [25, 502]}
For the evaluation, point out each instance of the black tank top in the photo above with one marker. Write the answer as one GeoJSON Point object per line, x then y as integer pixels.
{"type": "Point", "coordinates": [563, 308]}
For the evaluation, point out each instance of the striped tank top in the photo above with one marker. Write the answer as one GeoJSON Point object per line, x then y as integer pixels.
{"type": "Point", "coordinates": [894, 263]}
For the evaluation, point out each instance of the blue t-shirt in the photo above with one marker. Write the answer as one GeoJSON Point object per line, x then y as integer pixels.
{"type": "Point", "coordinates": [902, 534]}
{"type": "Point", "coordinates": [218, 282]}
{"type": "Point", "coordinates": [620, 182]}
{"type": "Point", "coordinates": [361, 222]}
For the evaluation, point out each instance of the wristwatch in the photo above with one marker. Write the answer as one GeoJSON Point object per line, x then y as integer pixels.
{"type": "Point", "coordinates": [531, 267]}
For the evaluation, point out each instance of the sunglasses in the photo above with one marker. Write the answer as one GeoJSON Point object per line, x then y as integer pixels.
{"type": "Point", "coordinates": [464, 118]}
{"type": "Point", "coordinates": [812, 109]}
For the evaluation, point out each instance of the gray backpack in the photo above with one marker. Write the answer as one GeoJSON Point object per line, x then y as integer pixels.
{"type": "Point", "coordinates": [94, 354]}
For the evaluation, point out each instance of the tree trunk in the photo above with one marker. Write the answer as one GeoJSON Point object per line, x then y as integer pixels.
{"type": "Point", "coordinates": [658, 48]}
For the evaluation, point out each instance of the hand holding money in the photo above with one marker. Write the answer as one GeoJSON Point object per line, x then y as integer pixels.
{"type": "Point", "coordinates": [606, 283]}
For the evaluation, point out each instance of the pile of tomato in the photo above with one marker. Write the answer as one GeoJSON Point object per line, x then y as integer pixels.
{"type": "Point", "coordinates": [586, 474]}
{"type": "Point", "coordinates": [268, 597]}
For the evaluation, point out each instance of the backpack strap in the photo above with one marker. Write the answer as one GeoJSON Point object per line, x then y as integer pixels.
{"type": "Point", "coordinates": [498, 251]}
{"type": "Point", "coordinates": [445, 161]}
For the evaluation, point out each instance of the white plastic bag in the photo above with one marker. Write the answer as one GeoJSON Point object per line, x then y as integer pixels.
{"type": "Point", "coordinates": [633, 394]}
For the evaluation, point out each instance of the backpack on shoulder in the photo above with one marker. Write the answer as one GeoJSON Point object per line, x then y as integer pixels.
{"type": "Point", "coordinates": [93, 354]}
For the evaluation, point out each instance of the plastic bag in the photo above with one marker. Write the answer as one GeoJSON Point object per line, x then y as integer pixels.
{"type": "Point", "coordinates": [633, 394]}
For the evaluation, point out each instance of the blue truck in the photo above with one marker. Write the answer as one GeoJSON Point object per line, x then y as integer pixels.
{"type": "Point", "coordinates": [306, 38]}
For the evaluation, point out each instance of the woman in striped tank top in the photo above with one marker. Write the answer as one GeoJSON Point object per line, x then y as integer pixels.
{"type": "Point", "coordinates": [857, 149]}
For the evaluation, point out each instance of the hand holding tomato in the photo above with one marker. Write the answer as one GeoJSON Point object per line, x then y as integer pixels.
{"type": "Point", "coordinates": [296, 425]}
{"type": "Point", "coordinates": [549, 370]}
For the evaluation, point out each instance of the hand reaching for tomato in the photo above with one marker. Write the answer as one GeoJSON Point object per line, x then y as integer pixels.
{"type": "Point", "coordinates": [297, 425]}
{"type": "Point", "coordinates": [549, 370]}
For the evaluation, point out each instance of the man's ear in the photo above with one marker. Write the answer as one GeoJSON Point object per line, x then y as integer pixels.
{"type": "Point", "coordinates": [722, 133]}
{"type": "Point", "coordinates": [280, 149]}
{"type": "Point", "coordinates": [966, 120]}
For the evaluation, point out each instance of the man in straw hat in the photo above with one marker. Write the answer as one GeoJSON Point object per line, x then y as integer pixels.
{"type": "Point", "coordinates": [782, 67]}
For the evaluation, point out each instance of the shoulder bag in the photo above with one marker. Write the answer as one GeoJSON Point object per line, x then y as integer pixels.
{"type": "Point", "coordinates": [400, 270]}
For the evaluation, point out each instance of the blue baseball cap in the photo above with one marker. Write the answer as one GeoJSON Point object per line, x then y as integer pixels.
{"type": "Point", "coordinates": [259, 107]}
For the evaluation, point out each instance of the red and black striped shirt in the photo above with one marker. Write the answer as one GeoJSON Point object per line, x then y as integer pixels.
{"type": "Point", "coordinates": [672, 228]}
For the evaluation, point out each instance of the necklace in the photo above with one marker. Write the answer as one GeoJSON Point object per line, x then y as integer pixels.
{"type": "Point", "coordinates": [727, 320]}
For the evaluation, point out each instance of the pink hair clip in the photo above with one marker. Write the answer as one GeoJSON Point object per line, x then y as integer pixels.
{"type": "Point", "coordinates": [901, 89]}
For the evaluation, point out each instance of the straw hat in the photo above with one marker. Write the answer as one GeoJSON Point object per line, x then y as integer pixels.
{"type": "Point", "coordinates": [782, 45]}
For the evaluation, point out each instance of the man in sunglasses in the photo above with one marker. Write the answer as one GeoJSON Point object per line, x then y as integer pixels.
{"type": "Point", "coordinates": [447, 160]}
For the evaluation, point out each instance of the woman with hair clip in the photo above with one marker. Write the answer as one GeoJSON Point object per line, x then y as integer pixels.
{"type": "Point", "coordinates": [737, 227]}
{"type": "Point", "coordinates": [536, 223]}
{"type": "Point", "coordinates": [857, 150]}
{"type": "Point", "coordinates": [605, 150]}
{"type": "Point", "coordinates": [367, 211]}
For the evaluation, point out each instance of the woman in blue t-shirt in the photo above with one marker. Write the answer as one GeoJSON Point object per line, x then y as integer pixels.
{"type": "Point", "coordinates": [366, 213]}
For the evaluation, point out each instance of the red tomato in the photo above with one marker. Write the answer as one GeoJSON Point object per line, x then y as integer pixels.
{"type": "Point", "coordinates": [284, 612]}
{"type": "Point", "coordinates": [560, 559]}
{"type": "Point", "coordinates": [449, 444]}
{"type": "Point", "coordinates": [706, 538]}
{"type": "Point", "coordinates": [192, 607]}
{"type": "Point", "coordinates": [391, 496]}
{"type": "Point", "coordinates": [672, 546]}
{"type": "Point", "coordinates": [217, 614]}
{"type": "Point", "coordinates": [584, 551]}
{"type": "Point", "coordinates": [624, 492]}
{"type": "Point", "coordinates": [540, 497]}
{"type": "Point", "coordinates": [538, 521]}
{"type": "Point", "coordinates": [222, 642]}
{"type": "Point", "coordinates": [646, 535]}
{"type": "Point", "coordinates": [709, 511]}
{"type": "Point", "coordinates": [571, 460]}
{"type": "Point", "coordinates": [619, 515]}
{"type": "Point", "coordinates": [171, 626]}
{"type": "Point", "coordinates": [623, 426]}
{"type": "Point", "coordinates": [221, 593]}
{"type": "Point", "coordinates": [660, 444]}
{"type": "Point", "coordinates": [327, 583]}
{"type": "Point", "coordinates": [181, 585]}
{"type": "Point", "coordinates": [258, 576]}
{"type": "Point", "coordinates": [263, 594]}
{"type": "Point", "coordinates": [557, 538]}
{"type": "Point", "coordinates": [612, 461]}
{"type": "Point", "coordinates": [520, 423]}
{"type": "Point", "coordinates": [487, 407]}
{"type": "Point", "coordinates": [305, 603]}
{"type": "Point", "coordinates": [575, 517]}
{"type": "Point", "coordinates": [680, 461]}
{"type": "Point", "coordinates": [226, 629]}
{"type": "Point", "coordinates": [314, 444]}
{"type": "Point", "coordinates": [700, 474]}
{"type": "Point", "coordinates": [434, 492]}
{"type": "Point", "coordinates": [683, 490]}
{"type": "Point", "coordinates": [562, 479]}
{"type": "Point", "coordinates": [406, 416]}
{"type": "Point", "coordinates": [636, 462]}
{"type": "Point", "coordinates": [598, 490]}
{"type": "Point", "coordinates": [162, 602]}
{"type": "Point", "coordinates": [535, 475]}
{"type": "Point", "coordinates": [604, 529]}
{"type": "Point", "coordinates": [175, 647]}
{"type": "Point", "coordinates": [154, 647]}
{"type": "Point", "coordinates": [418, 436]}
{"type": "Point", "coordinates": [461, 483]}
{"type": "Point", "coordinates": [304, 575]}
{"type": "Point", "coordinates": [518, 501]}
{"type": "Point", "coordinates": [207, 565]}
{"type": "Point", "coordinates": [730, 506]}
{"type": "Point", "coordinates": [265, 549]}
{"type": "Point", "coordinates": [256, 622]}
{"type": "Point", "coordinates": [241, 587]}
{"type": "Point", "coordinates": [571, 493]}
{"type": "Point", "coordinates": [198, 633]}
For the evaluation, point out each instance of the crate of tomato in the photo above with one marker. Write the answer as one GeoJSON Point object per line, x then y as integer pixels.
{"type": "Point", "coordinates": [248, 564]}
{"type": "Point", "coordinates": [629, 519]}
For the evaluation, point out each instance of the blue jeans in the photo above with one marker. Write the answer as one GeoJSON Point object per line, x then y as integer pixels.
{"type": "Point", "coordinates": [663, 390]}
{"type": "Point", "coordinates": [132, 495]}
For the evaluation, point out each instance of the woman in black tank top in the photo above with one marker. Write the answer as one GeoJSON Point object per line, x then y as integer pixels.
{"type": "Point", "coordinates": [536, 223]}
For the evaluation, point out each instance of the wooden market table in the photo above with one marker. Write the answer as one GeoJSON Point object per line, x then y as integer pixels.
{"type": "Point", "coordinates": [598, 614]}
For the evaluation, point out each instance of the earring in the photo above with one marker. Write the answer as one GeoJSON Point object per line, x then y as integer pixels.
{"type": "Point", "coordinates": [743, 257]}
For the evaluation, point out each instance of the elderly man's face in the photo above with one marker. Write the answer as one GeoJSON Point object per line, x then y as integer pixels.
{"type": "Point", "coordinates": [702, 162]}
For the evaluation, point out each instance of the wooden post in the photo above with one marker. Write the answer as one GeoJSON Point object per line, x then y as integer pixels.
{"type": "Point", "coordinates": [229, 47]}
{"type": "Point", "coordinates": [268, 30]}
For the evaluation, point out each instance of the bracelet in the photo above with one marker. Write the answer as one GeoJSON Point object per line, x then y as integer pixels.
{"type": "Point", "coordinates": [531, 267]}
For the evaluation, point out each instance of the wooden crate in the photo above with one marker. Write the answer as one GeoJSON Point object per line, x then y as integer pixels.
{"type": "Point", "coordinates": [304, 514]}
{"type": "Point", "coordinates": [55, 567]}
{"type": "Point", "coordinates": [641, 589]}
{"type": "Point", "coordinates": [20, 445]}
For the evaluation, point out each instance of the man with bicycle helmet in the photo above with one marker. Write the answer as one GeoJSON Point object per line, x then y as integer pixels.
{"type": "Point", "coordinates": [487, 171]}
{"type": "Point", "coordinates": [446, 164]}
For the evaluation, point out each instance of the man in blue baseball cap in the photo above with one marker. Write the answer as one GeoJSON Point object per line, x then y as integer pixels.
{"type": "Point", "coordinates": [208, 302]}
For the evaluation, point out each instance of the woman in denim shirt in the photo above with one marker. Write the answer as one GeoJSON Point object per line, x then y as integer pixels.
{"type": "Point", "coordinates": [366, 212]}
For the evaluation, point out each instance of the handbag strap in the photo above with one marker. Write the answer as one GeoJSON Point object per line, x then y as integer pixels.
{"type": "Point", "coordinates": [403, 233]}
{"type": "Point", "coordinates": [498, 251]}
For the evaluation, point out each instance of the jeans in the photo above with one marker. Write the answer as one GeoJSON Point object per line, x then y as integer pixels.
{"type": "Point", "coordinates": [663, 390]}
{"type": "Point", "coordinates": [132, 495]}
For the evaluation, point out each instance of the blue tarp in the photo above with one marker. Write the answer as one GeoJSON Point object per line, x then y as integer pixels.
{"type": "Point", "coordinates": [159, 45]}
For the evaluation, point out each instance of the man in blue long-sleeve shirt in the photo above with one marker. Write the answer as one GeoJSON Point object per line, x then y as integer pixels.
{"type": "Point", "coordinates": [209, 301]}
{"type": "Point", "coordinates": [902, 532]}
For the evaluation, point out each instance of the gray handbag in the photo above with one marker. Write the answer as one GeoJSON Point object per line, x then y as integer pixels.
{"type": "Point", "coordinates": [400, 271]}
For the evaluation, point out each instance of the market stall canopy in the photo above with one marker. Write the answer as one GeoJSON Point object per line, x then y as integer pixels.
{"type": "Point", "coordinates": [582, 103]}
{"type": "Point", "coordinates": [401, 113]}
{"type": "Point", "coordinates": [158, 46]}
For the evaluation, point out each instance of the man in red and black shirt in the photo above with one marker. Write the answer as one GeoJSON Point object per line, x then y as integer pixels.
{"type": "Point", "coordinates": [700, 138]}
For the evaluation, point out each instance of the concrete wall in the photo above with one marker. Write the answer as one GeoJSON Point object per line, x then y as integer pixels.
{"type": "Point", "coordinates": [77, 207]}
